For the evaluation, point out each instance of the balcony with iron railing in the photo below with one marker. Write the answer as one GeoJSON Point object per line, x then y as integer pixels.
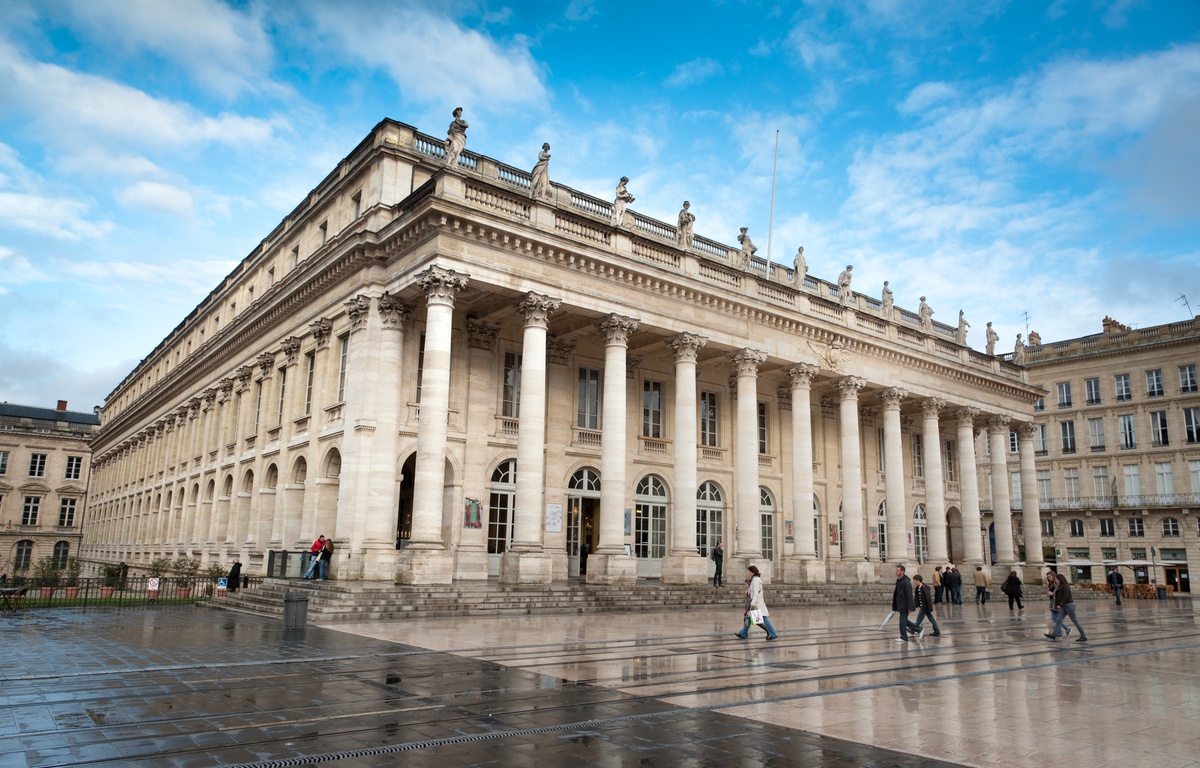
{"type": "Point", "coordinates": [1085, 503]}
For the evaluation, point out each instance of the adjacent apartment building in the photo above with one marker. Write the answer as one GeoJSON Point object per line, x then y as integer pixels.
{"type": "Point", "coordinates": [1117, 447]}
{"type": "Point", "coordinates": [458, 369]}
{"type": "Point", "coordinates": [44, 464]}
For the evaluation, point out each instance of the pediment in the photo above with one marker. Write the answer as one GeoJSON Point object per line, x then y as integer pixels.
{"type": "Point", "coordinates": [70, 489]}
{"type": "Point", "coordinates": [34, 488]}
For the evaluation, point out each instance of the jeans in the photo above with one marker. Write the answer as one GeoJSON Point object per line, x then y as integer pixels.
{"type": "Point", "coordinates": [1060, 616]}
{"type": "Point", "coordinates": [956, 592]}
{"type": "Point", "coordinates": [904, 624]}
{"type": "Point", "coordinates": [981, 594]}
{"type": "Point", "coordinates": [937, 593]}
{"type": "Point", "coordinates": [1117, 592]}
{"type": "Point", "coordinates": [321, 568]}
{"type": "Point", "coordinates": [921, 614]}
{"type": "Point", "coordinates": [313, 562]}
{"type": "Point", "coordinates": [766, 625]}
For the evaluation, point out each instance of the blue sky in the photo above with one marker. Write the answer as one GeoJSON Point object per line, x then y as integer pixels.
{"type": "Point", "coordinates": [1002, 158]}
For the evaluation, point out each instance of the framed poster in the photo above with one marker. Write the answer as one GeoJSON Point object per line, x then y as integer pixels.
{"type": "Point", "coordinates": [833, 534]}
{"type": "Point", "coordinates": [873, 534]}
{"type": "Point", "coordinates": [554, 518]}
{"type": "Point", "coordinates": [628, 521]}
{"type": "Point", "coordinates": [472, 514]}
{"type": "Point", "coordinates": [788, 531]}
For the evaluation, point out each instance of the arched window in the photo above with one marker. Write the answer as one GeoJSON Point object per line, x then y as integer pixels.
{"type": "Point", "coordinates": [650, 518]}
{"type": "Point", "coordinates": [710, 514]}
{"type": "Point", "coordinates": [62, 551]}
{"type": "Point", "coordinates": [300, 471]}
{"type": "Point", "coordinates": [248, 481]}
{"type": "Point", "coordinates": [881, 524]}
{"type": "Point", "coordinates": [501, 505]}
{"type": "Point", "coordinates": [921, 534]}
{"type": "Point", "coordinates": [586, 479]}
{"type": "Point", "coordinates": [333, 465]}
{"type": "Point", "coordinates": [766, 517]}
{"type": "Point", "coordinates": [1170, 526]}
{"type": "Point", "coordinates": [272, 476]}
{"type": "Point", "coordinates": [23, 555]}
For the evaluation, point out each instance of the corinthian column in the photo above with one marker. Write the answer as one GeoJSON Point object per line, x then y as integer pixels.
{"type": "Point", "coordinates": [898, 523]}
{"type": "Point", "coordinates": [525, 562]}
{"type": "Point", "coordinates": [935, 491]}
{"type": "Point", "coordinates": [1001, 510]}
{"type": "Point", "coordinates": [424, 560]}
{"type": "Point", "coordinates": [609, 564]}
{"type": "Point", "coordinates": [969, 485]}
{"type": "Point", "coordinates": [749, 533]}
{"type": "Point", "coordinates": [683, 564]}
{"type": "Point", "coordinates": [1031, 516]}
{"type": "Point", "coordinates": [854, 566]}
{"type": "Point", "coordinates": [803, 567]}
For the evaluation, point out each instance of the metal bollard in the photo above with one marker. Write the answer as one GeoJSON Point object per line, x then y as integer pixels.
{"type": "Point", "coordinates": [295, 610]}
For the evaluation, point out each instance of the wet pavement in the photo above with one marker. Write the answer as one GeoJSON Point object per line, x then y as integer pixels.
{"type": "Point", "coordinates": [196, 687]}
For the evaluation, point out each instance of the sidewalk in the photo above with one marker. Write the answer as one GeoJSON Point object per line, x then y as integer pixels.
{"type": "Point", "coordinates": [193, 687]}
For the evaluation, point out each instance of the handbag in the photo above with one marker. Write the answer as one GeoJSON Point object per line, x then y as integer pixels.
{"type": "Point", "coordinates": [756, 616]}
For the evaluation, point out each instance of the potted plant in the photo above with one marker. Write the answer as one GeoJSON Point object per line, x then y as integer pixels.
{"type": "Point", "coordinates": [158, 568]}
{"type": "Point", "coordinates": [214, 572]}
{"type": "Point", "coordinates": [45, 574]}
{"type": "Point", "coordinates": [71, 571]}
{"type": "Point", "coordinates": [112, 577]}
{"type": "Point", "coordinates": [186, 568]}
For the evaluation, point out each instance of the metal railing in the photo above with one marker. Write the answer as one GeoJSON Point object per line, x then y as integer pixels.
{"type": "Point", "coordinates": [130, 592]}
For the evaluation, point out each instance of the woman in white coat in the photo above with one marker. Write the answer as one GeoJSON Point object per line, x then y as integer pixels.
{"type": "Point", "coordinates": [754, 601]}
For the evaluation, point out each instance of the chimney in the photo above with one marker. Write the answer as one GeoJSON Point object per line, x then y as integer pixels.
{"type": "Point", "coordinates": [62, 406]}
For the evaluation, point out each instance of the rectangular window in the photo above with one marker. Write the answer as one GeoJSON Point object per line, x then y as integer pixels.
{"type": "Point", "coordinates": [652, 409]}
{"type": "Point", "coordinates": [1068, 436]}
{"type": "Point", "coordinates": [879, 448]}
{"type": "Point", "coordinates": [1096, 434]}
{"type": "Point", "coordinates": [1016, 490]}
{"type": "Point", "coordinates": [1154, 383]}
{"type": "Point", "coordinates": [324, 232]}
{"type": "Point", "coordinates": [588, 408]}
{"type": "Point", "coordinates": [1039, 404]}
{"type": "Point", "coordinates": [1164, 478]}
{"type": "Point", "coordinates": [420, 366]}
{"type": "Point", "coordinates": [948, 462]}
{"type": "Point", "coordinates": [1014, 442]}
{"type": "Point", "coordinates": [1108, 553]}
{"type": "Point", "coordinates": [1124, 390]}
{"type": "Point", "coordinates": [1039, 440]}
{"type": "Point", "coordinates": [1194, 473]}
{"type": "Point", "coordinates": [1043, 485]}
{"type": "Point", "coordinates": [1136, 527]}
{"type": "Point", "coordinates": [763, 443]}
{"type": "Point", "coordinates": [1187, 378]}
{"type": "Point", "coordinates": [282, 394]}
{"type": "Point", "coordinates": [918, 456]}
{"type": "Point", "coordinates": [1191, 425]}
{"type": "Point", "coordinates": [510, 407]}
{"type": "Point", "coordinates": [1047, 526]}
{"type": "Point", "coordinates": [1125, 426]}
{"type": "Point", "coordinates": [310, 365]}
{"type": "Point", "coordinates": [1158, 428]}
{"type": "Point", "coordinates": [344, 360]}
{"type": "Point", "coordinates": [258, 393]}
{"type": "Point", "coordinates": [767, 536]}
{"type": "Point", "coordinates": [3, 463]}
{"type": "Point", "coordinates": [37, 465]}
{"type": "Point", "coordinates": [1100, 487]}
{"type": "Point", "coordinates": [29, 513]}
{"type": "Point", "coordinates": [708, 419]}
{"type": "Point", "coordinates": [66, 513]}
{"type": "Point", "coordinates": [1071, 481]}
{"type": "Point", "coordinates": [1092, 389]}
{"type": "Point", "coordinates": [1107, 528]}
{"type": "Point", "coordinates": [356, 201]}
{"type": "Point", "coordinates": [1064, 394]}
{"type": "Point", "coordinates": [1133, 480]}
{"type": "Point", "coordinates": [74, 467]}
{"type": "Point", "coordinates": [295, 256]}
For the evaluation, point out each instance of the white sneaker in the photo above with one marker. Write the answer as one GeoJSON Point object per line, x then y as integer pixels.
{"type": "Point", "coordinates": [901, 640]}
{"type": "Point", "coordinates": [920, 633]}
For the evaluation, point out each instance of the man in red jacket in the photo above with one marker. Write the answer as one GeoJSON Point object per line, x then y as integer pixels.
{"type": "Point", "coordinates": [314, 556]}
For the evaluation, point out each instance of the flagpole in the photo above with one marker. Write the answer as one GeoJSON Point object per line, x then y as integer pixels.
{"type": "Point", "coordinates": [771, 220]}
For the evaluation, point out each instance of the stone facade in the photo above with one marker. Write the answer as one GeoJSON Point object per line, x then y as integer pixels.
{"type": "Point", "coordinates": [45, 461]}
{"type": "Point", "coordinates": [1117, 451]}
{"type": "Point", "coordinates": [453, 378]}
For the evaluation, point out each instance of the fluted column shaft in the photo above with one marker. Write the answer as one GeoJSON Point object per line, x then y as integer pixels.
{"type": "Point", "coordinates": [893, 460]}
{"type": "Point", "coordinates": [935, 490]}
{"type": "Point", "coordinates": [969, 487]}
{"type": "Point", "coordinates": [853, 538]}
{"type": "Point", "coordinates": [1001, 507]}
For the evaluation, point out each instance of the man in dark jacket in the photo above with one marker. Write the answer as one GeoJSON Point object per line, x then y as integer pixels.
{"type": "Point", "coordinates": [902, 602]}
{"type": "Point", "coordinates": [1117, 582]}
{"type": "Point", "coordinates": [923, 596]}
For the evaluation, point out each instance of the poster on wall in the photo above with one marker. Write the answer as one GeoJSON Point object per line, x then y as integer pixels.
{"type": "Point", "coordinates": [554, 518]}
{"type": "Point", "coordinates": [471, 514]}
{"type": "Point", "coordinates": [628, 521]}
{"type": "Point", "coordinates": [873, 533]}
{"type": "Point", "coordinates": [833, 534]}
{"type": "Point", "coordinates": [909, 535]}
{"type": "Point", "coordinates": [787, 532]}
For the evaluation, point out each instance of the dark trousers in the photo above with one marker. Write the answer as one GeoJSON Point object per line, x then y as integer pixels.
{"type": "Point", "coordinates": [937, 593]}
{"type": "Point", "coordinates": [718, 581]}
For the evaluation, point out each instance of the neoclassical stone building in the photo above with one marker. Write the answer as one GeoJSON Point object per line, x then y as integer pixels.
{"type": "Point", "coordinates": [456, 372]}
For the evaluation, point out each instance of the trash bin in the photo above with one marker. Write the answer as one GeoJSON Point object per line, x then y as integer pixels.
{"type": "Point", "coordinates": [295, 610]}
{"type": "Point", "coordinates": [1161, 593]}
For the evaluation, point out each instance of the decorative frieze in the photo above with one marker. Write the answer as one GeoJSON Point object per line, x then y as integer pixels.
{"type": "Point", "coordinates": [559, 350]}
{"type": "Point", "coordinates": [481, 334]}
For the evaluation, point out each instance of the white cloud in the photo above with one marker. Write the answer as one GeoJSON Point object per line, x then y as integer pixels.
{"type": "Point", "coordinates": [192, 274]}
{"type": "Point", "coordinates": [695, 71]}
{"type": "Point", "coordinates": [155, 196]}
{"type": "Point", "coordinates": [580, 10]}
{"type": "Point", "coordinates": [925, 96]}
{"type": "Point", "coordinates": [225, 50]}
{"type": "Point", "coordinates": [16, 269]}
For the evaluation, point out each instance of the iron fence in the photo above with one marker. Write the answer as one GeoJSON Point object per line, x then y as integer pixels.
{"type": "Point", "coordinates": [106, 592]}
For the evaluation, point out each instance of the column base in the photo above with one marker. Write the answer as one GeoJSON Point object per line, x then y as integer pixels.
{"type": "Point", "coordinates": [1031, 574]}
{"type": "Point", "coordinates": [735, 569]}
{"type": "Point", "coordinates": [373, 562]}
{"type": "Point", "coordinates": [860, 572]}
{"type": "Point", "coordinates": [611, 569]}
{"type": "Point", "coordinates": [519, 568]}
{"type": "Point", "coordinates": [415, 565]}
{"type": "Point", "coordinates": [803, 571]}
{"type": "Point", "coordinates": [686, 569]}
{"type": "Point", "coordinates": [471, 563]}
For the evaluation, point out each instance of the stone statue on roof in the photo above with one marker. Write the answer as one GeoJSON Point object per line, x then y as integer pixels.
{"type": "Point", "coordinates": [886, 305]}
{"type": "Point", "coordinates": [685, 230]}
{"type": "Point", "coordinates": [960, 333]}
{"type": "Point", "coordinates": [456, 138]}
{"type": "Point", "coordinates": [748, 248]}
{"type": "Point", "coordinates": [845, 295]}
{"type": "Point", "coordinates": [992, 338]}
{"type": "Point", "coordinates": [622, 199]}
{"type": "Point", "coordinates": [1018, 357]}
{"type": "Point", "coordinates": [799, 267]}
{"type": "Point", "coordinates": [539, 177]}
{"type": "Point", "coordinates": [926, 313]}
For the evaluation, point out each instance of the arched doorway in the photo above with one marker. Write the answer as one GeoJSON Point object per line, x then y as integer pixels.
{"type": "Point", "coordinates": [583, 515]}
{"type": "Point", "coordinates": [954, 535]}
{"type": "Point", "coordinates": [404, 511]}
{"type": "Point", "coordinates": [710, 521]}
{"type": "Point", "coordinates": [882, 535]}
{"type": "Point", "coordinates": [650, 525]}
{"type": "Point", "coordinates": [766, 517]}
{"type": "Point", "coordinates": [502, 501]}
{"type": "Point", "coordinates": [920, 534]}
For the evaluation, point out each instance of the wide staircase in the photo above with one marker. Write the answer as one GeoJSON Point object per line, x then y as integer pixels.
{"type": "Point", "coordinates": [351, 601]}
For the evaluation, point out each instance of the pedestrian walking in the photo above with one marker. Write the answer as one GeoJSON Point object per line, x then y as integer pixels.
{"type": "Point", "coordinates": [1063, 607]}
{"type": "Point", "coordinates": [314, 556]}
{"type": "Point", "coordinates": [924, 608]}
{"type": "Point", "coordinates": [903, 602]}
{"type": "Point", "coordinates": [1012, 588]}
{"type": "Point", "coordinates": [937, 584]}
{"type": "Point", "coordinates": [1051, 583]}
{"type": "Point", "coordinates": [1117, 582]}
{"type": "Point", "coordinates": [718, 557]}
{"type": "Point", "coordinates": [981, 586]}
{"type": "Point", "coordinates": [755, 602]}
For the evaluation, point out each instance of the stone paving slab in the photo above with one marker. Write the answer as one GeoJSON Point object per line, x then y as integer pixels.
{"type": "Point", "coordinates": [193, 687]}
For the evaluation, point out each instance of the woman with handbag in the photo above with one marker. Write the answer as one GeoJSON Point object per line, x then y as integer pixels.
{"type": "Point", "coordinates": [756, 607]}
{"type": "Point", "coordinates": [1012, 588]}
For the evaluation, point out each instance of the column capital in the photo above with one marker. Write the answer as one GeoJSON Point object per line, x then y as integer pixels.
{"type": "Point", "coordinates": [210, 397]}
{"type": "Point", "coordinates": [998, 422]}
{"type": "Point", "coordinates": [801, 374]}
{"type": "Point", "coordinates": [266, 363]}
{"type": "Point", "coordinates": [357, 310]}
{"type": "Point", "coordinates": [536, 309]}
{"type": "Point", "coordinates": [617, 329]}
{"type": "Point", "coordinates": [849, 387]}
{"type": "Point", "coordinates": [243, 374]}
{"type": "Point", "coordinates": [891, 398]}
{"type": "Point", "coordinates": [481, 334]}
{"type": "Point", "coordinates": [1027, 430]}
{"type": "Point", "coordinates": [224, 389]}
{"type": "Point", "coordinates": [321, 329]}
{"type": "Point", "coordinates": [966, 416]}
{"type": "Point", "coordinates": [392, 311]}
{"type": "Point", "coordinates": [746, 361]}
{"type": "Point", "coordinates": [291, 349]}
{"type": "Point", "coordinates": [932, 406]}
{"type": "Point", "coordinates": [193, 407]}
{"type": "Point", "coordinates": [441, 285]}
{"type": "Point", "coordinates": [686, 346]}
